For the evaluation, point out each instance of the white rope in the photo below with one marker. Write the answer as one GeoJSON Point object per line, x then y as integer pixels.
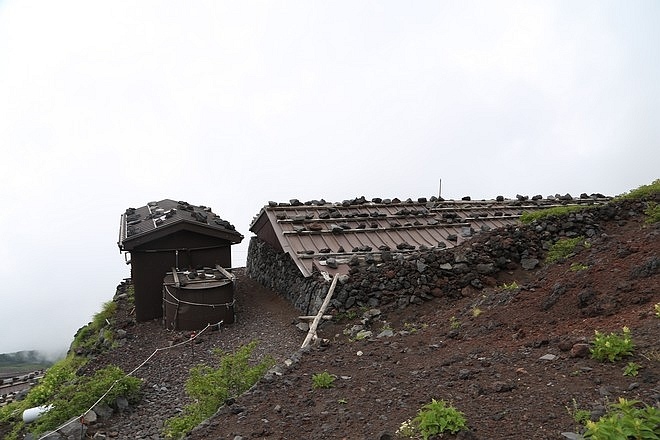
{"type": "Point", "coordinates": [192, 338]}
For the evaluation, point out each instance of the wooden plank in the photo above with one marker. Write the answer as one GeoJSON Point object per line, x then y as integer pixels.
{"type": "Point", "coordinates": [222, 270]}
{"type": "Point", "coordinates": [311, 318]}
{"type": "Point", "coordinates": [176, 277]}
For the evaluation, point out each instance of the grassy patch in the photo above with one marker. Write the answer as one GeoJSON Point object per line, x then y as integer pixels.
{"type": "Point", "coordinates": [98, 332]}
{"type": "Point", "coordinates": [564, 248]}
{"type": "Point", "coordinates": [556, 211]}
{"type": "Point", "coordinates": [642, 192]}
{"type": "Point", "coordinates": [69, 394]}
{"type": "Point", "coordinates": [653, 213]}
{"type": "Point", "coordinates": [210, 387]}
{"type": "Point", "coordinates": [578, 267]}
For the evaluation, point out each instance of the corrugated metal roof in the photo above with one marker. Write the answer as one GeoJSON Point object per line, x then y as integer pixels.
{"type": "Point", "coordinates": [138, 224]}
{"type": "Point", "coordinates": [312, 232]}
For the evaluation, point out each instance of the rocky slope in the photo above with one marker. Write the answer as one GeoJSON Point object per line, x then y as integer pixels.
{"type": "Point", "coordinates": [514, 360]}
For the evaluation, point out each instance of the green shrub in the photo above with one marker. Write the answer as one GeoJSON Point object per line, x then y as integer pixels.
{"type": "Point", "coordinates": [77, 396]}
{"type": "Point", "coordinates": [653, 213]}
{"type": "Point", "coordinates": [612, 347]}
{"type": "Point", "coordinates": [210, 387]}
{"type": "Point", "coordinates": [323, 380]}
{"type": "Point", "coordinates": [563, 248]}
{"type": "Point", "coordinates": [642, 192]}
{"type": "Point", "coordinates": [434, 419]}
{"type": "Point", "coordinates": [88, 336]}
{"type": "Point", "coordinates": [657, 310]}
{"type": "Point", "coordinates": [107, 312]}
{"type": "Point", "coordinates": [69, 394]}
{"type": "Point", "coordinates": [628, 419]}
{"type": "Point", "coordinates": [556, 211]}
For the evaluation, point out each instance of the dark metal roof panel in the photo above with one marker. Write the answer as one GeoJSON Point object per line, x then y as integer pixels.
{"type": "Point", "coordinates": [154, 219]}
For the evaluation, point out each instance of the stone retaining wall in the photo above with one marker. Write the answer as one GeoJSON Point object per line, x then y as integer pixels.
{"type": "Point", "coordinates": [278, 272]}
{"type": "Point", "coordinates": [399, 279]}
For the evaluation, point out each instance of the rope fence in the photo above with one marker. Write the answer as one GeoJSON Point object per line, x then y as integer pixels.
{"type": "Point", "coordinates": [190, 340]}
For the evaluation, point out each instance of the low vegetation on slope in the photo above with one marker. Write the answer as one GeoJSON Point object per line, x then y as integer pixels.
{"type": "Point", "coordinates": [67, 393]}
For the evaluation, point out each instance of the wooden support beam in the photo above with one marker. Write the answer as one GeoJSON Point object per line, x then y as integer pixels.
{"type": "Point", "coordinates": [312, 328]}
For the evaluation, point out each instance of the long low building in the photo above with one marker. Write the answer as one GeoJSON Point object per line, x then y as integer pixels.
{"type": "Point", "coordinates": [299, 246]}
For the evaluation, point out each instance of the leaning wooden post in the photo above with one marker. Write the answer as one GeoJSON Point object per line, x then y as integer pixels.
{"type": "Point", "coordinates": [317, 319]}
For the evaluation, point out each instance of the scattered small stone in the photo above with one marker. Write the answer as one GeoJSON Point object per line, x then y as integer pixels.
{"type": "Point", "coordinates": [529, 263]}
{"type": "Point", "coordinates": [580, 350]}
{"type": "Point", "coordinates": [387, 333]}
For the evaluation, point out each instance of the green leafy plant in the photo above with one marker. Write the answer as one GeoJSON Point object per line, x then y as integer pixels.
{"type": "Point", "coordinates": [627, 419]}
{"type": "Point", "coordinates": [476, 311]}
{"type": "Point", "coordinates": [434, 418]}
{"type": "Point", "coordinates": [510, 287]}
{"type": "Point", "coordinates": [454, 323]}
{"type": "Point", "coordinates": [323, 380]}
{"type": "Point", "coordinates": [657, 310]}
{"type": "Point", "coordinates": [564, 248]}
{"type": "Point", "coordinates": [631, 369]}
{"type": "Point", "coordinates": [612, 347]}
{"type": "Point", "coordinates": [210, 387]}
{"type": "Point", "coordinates": [581, 416]}
{"type": "Point", "coordinates": [578, 267]}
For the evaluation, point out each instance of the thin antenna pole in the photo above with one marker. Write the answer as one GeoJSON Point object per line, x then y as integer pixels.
{"type": "Point", "coordinates": [440, 189]}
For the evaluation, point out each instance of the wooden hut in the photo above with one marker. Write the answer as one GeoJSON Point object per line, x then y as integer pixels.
{"type": "Point", "coordinates": [171, 234]}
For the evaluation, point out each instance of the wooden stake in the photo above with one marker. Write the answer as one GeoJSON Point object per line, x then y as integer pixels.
{"type": "Point", "coordinates": [312, 328]}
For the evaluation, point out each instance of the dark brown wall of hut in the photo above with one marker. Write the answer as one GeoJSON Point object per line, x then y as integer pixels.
{"type": "Point", "coordinates": [151, 261]}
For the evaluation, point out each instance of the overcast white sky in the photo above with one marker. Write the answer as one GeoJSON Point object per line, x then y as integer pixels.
{"type": "Point", "coordinates": [108, 105]}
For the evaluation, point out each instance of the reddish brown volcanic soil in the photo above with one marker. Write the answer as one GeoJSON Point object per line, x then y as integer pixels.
{"type": "Point", "coordinates": [489, 367]}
